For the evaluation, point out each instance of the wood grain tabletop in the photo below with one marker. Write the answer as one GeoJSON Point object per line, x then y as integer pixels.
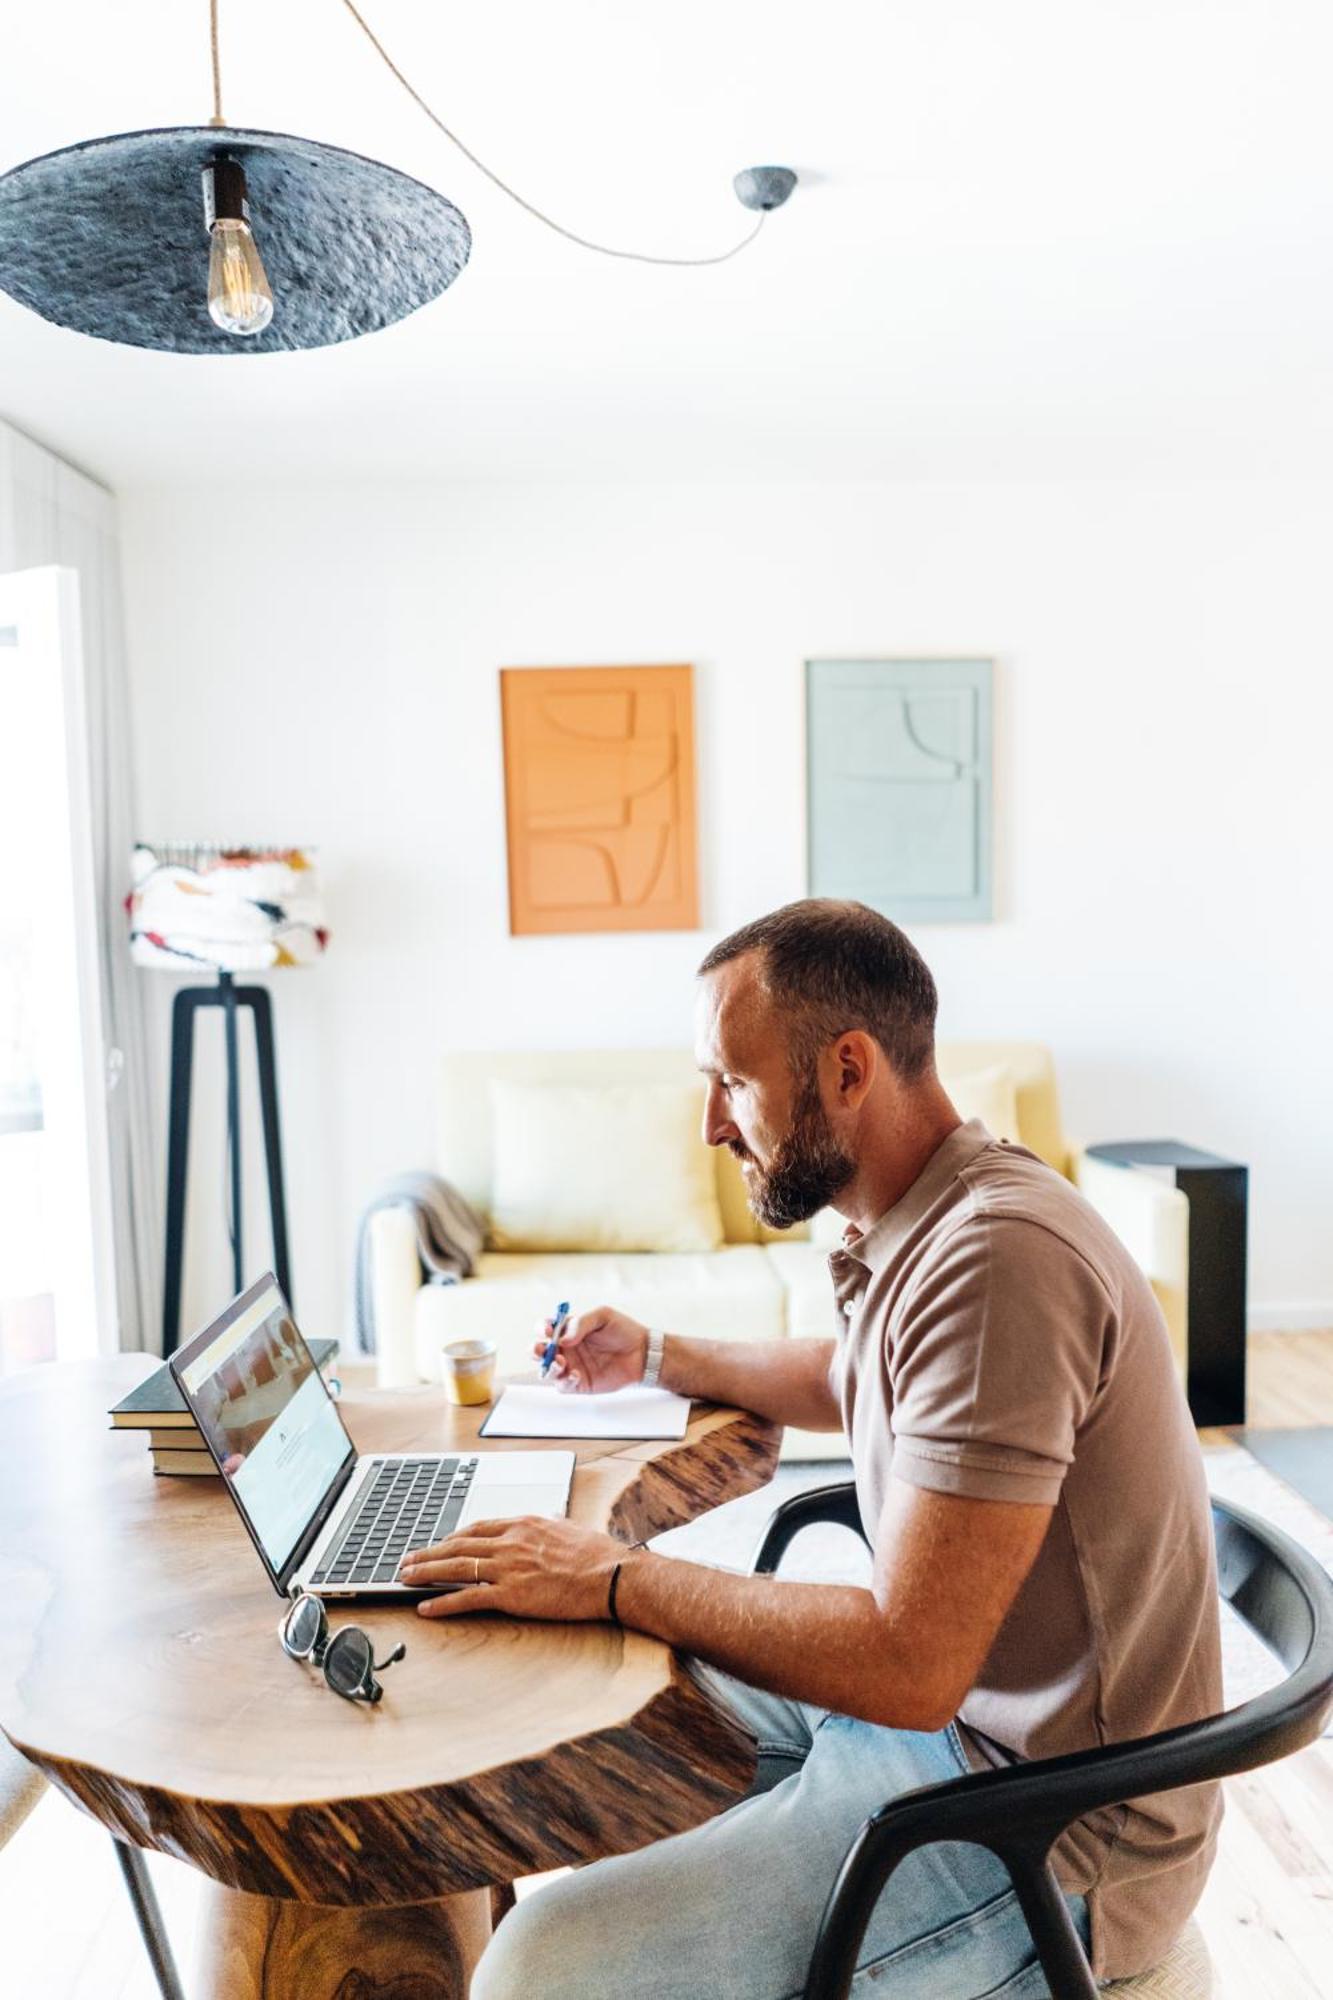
{"type": "Point", "coordinates": [140, 1668]}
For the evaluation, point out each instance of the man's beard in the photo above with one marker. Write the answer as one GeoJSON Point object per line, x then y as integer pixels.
{"type": "Point", "coordinates": [807, 1169]}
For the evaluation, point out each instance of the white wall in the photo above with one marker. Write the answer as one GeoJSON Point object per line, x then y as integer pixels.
{"type": "Point", "coordinates": [319, 664]}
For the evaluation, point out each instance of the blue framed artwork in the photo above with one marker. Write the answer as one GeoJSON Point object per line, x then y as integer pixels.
{"type": "Point", "coordinates": [899, 786]}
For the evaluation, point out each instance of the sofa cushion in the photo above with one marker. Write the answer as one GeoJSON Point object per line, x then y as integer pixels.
{"type": "Point", "coordinates": [1033, 1070]}
{"type": "Point", "coordinates": [987, 1094]}
{"type": "Point", "coordinates": [732, 1293]}
{"type": "Point", "coordinates": [803, 1272]}
{"type": "Point", "coordinates": [464, 1149]}
{"type": "Point", "coordinates": [601, 1167]}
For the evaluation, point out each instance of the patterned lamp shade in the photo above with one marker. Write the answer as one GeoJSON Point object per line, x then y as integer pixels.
{"type": "Point", "coordinates": [236, 909]}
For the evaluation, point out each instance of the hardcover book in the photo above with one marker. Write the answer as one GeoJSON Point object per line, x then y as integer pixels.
{"type": "Point", "coordinates": [158, 1404]}
{"type": "Point", "coordinates": [187, 1464]}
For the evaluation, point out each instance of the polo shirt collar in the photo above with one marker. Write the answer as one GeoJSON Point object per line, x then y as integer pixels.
{"type": "Point", "coordinates": [877, 1246]}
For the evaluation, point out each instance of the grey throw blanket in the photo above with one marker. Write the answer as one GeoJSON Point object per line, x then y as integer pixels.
{"type": "Point", "coordinates": [450, 1235]}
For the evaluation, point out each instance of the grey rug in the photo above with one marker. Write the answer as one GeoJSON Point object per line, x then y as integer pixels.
{"type": "Point", "coordinates": [1303, 1459]}
{"type": "Point", "coordinates": [728, 1538]}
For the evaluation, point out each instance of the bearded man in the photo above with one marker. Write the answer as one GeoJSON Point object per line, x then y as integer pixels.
{"type": "Point", "coordinates": [1028, 1479]}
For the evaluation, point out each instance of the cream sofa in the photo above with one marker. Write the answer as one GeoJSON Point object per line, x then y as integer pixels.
{"type": "Point", "coordinates": [755, 1285]}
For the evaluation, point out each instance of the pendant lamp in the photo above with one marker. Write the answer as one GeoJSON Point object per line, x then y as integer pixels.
{"type": "Point", "coordinates": [115, 238]}
{"type": "Point", "coordinates": [183, 238]}
{"type": "Point", "coordinates": [217, 239]}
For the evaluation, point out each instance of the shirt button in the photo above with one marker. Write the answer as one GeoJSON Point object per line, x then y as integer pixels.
{"type": "Point", "coordinates": [849, 1307]}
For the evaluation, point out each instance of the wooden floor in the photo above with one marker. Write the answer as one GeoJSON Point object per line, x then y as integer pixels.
{"type": "Point", "coordinates": [1268, 1909]}
{"type": "Point", "coordinates": [1290, 1379]}
{"type": "Point", "coordinates": [66, 1932]}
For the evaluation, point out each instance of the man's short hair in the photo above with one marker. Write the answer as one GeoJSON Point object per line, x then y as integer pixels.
{"type": "Point", "coordinates": [832, 966]}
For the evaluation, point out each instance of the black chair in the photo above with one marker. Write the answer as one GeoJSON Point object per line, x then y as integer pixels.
{"type": "Point", "coordinates": [1018, 1813]}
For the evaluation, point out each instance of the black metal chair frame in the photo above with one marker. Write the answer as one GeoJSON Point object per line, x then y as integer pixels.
{"type": "Point", "coordinates": [1279, 1590]}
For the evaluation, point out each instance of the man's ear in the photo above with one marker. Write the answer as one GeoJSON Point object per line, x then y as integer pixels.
{"type": "Point", "coordinates": [855, 1063]}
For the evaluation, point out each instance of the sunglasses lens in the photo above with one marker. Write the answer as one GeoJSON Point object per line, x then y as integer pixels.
{"type": "Point", "coordinates": [347, 1662]}
{"type": "Point", "coordinates": [300, 1634]}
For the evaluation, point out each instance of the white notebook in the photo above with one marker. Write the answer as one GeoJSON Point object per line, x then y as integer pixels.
{"type": "Point", "coordinates": [536, 1410]}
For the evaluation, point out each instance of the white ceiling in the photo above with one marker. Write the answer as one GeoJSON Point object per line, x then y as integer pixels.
{"type": "Point", "coordinates": [1037, 238]}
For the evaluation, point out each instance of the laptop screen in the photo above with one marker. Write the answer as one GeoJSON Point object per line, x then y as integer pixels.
{"type": "Point", "coordinates": [267, 1417]}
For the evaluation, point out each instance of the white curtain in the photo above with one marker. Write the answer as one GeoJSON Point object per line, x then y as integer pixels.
{"type": "Point", "coordinates": [50, 513]}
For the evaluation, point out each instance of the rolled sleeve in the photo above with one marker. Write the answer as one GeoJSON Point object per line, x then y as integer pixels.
{"type": "Point", "coordinates": [977, 1473]}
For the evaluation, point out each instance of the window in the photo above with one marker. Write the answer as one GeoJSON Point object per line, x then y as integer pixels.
{"type": "Point", "coordinates": [55, 1235]}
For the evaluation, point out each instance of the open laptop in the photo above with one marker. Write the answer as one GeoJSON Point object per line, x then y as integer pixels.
{"type": "Point", "coordinates": [323, 1518]}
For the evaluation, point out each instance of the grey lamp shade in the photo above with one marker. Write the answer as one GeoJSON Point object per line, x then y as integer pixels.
{"type": "Point", "coordinates": [108, 238]}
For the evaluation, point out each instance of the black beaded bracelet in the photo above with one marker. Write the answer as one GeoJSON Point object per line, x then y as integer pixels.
{"type": "Point", "coordinates": [611, 1611]}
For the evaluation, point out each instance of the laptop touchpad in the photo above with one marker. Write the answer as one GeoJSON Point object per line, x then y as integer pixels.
{"type": "Point", "coordinates": [507, 1503]}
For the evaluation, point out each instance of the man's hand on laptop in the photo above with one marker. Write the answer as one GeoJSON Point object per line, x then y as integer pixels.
{"type": "Point", "coordinates": [602, 1349]}
{"type": "Point", "coordinates": [529, 1568]}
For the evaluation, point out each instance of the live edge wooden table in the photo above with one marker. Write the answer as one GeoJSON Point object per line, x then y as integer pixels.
{"type": "Point", "coordinates": [355, 1848]}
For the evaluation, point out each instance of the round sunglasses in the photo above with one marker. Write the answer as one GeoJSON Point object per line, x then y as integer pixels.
{"type": "Point", "coordinates": [344, 1657]}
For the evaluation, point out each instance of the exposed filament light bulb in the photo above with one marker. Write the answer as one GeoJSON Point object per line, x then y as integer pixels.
{"type": "Point", "coordinates": [240, 300]}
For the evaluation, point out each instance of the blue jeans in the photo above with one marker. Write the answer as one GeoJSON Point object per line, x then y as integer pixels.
{"type": "Point", "coordinates": [730, 1911]}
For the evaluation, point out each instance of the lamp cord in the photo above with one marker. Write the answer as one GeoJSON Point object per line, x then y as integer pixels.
{"type": "Point", "coordinates": [217, 118]}
{"type": "Point", "coordinates": [585, 242]}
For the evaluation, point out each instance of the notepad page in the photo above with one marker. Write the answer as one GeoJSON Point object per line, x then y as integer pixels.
{"type": "Point", "coordinates": [536, 1410]}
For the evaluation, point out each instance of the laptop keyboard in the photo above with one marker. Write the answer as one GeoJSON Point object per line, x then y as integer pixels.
{"type": "Point", "coordinates": [408, 1505]}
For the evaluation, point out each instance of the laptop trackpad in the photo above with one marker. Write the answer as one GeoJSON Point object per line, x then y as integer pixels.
{"type": "Point", "coordinates": [507, 1503]}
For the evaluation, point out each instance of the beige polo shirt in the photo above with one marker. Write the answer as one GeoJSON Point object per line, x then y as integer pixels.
{"type": "Point", "coordinates": [1001, 1343]}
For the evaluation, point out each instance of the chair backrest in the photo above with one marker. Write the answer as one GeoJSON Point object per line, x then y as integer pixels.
{"type": "Point", "coordinates": [1280, 1591]}
{"type": "Point", "coordinates": [463, 1146]}
{"type": "Point", "coordinates": [1286, 1598]}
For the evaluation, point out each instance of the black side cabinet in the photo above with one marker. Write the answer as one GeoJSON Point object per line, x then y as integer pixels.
{"type": "Point", "coordinates": [1217, 1191]}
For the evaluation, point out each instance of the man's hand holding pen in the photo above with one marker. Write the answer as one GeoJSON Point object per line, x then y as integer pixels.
{"type": "Point", "coordinates": [600, 1350]}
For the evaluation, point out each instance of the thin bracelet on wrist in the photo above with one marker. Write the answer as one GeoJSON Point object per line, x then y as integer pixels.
{"type": "Point", "coordinates": [611, 1611]}
{"type": "Point", "coordinates": [652, 1360]}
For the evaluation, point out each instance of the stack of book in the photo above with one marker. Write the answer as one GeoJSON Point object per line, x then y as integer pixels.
{"type": "Point", "coordinates": [174, 1439]}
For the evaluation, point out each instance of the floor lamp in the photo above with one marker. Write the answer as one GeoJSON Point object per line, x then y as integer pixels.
{"type": "Point", "coordinates": [229, 910]}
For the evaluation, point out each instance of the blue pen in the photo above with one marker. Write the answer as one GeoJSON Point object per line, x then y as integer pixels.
{"type": "Point", "coordinates": [557, 1328]}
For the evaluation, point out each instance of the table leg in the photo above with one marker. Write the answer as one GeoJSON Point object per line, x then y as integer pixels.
{"type": "Point", "coordinates": [256, 1948]}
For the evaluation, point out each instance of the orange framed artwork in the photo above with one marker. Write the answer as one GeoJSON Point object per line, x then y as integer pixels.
{"type": "Point", "coordinates": [599, 798]}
